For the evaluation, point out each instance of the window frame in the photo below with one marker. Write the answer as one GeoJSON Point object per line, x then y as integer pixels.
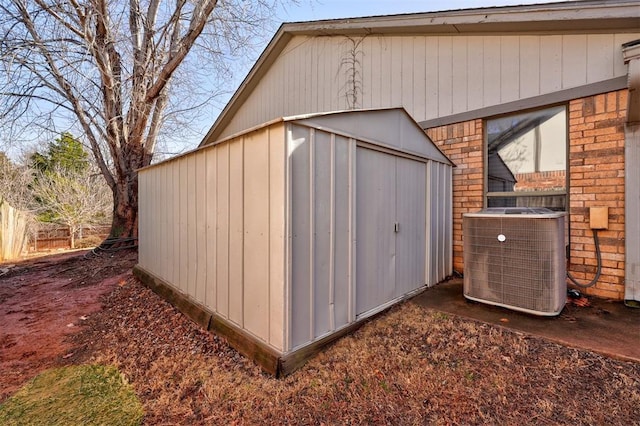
{"type": "Point", "coordinates": [517, 194]}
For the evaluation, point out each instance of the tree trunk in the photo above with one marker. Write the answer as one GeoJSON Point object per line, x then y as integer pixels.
{"type": "Point", "coordinates": [72, 237]}
{"type": "Point", "coordinates": [125, 209]}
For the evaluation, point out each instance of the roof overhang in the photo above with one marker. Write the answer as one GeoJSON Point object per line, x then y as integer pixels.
{"type": "Point", "coordinates": [551, 18]}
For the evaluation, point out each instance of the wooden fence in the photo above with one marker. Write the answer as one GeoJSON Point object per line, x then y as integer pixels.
{"type": "Point", "coordinates": [59, 238]}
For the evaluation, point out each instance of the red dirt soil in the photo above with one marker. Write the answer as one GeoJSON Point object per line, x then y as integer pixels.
{"type": "Point", "coordinates": [44, 300]}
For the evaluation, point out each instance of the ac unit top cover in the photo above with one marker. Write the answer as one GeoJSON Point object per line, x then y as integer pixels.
{"type": "Point", "coordinates": [529, 212]}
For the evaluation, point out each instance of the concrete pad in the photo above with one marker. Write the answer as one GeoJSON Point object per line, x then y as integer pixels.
{"type": "Point", "coordinates": [607, 327]}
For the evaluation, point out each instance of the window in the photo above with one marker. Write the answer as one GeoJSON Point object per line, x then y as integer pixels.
{"type": "Point", "coordinates": [527, 159]}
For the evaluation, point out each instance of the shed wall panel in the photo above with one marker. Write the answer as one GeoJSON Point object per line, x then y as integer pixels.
{"type": "Point", "coordinates": [211, 217]}
{"type": "Point", "coordinates": [158, 221]}
{"type": "Point", "coordinates": [323, 233]}
{"type": "Point", "coordinates": [389, 72]}
{"type": "Point", "coordinates": [164, 211]}
{"type": "Point", "coordinates": [152, 205]}
{"type": "Point", "coordinates": [230, 225]}
{"type": "Point", "coordinates": [439, 218]}
{"type": "Point", "coordinates": [277, 237]}
{"type": "Point", "coordinates": [183, 280]}
{"type": "Point", "coordinates": [231, 207]}
{"type": "Point", "coordinates": [191, 233]}
{"type": "Point", "coordinates": [320, 167]}
{"type": "Point", "coordinates": [201, 227]}
{"type": "Point", "coordinates": [144, 226]}
{"type": "Point", "coordinates": [236, 232]}
{"type": "Point", "coordinates": [375, 239]}
{"type": "Point", "coordinates": [411, 192]}
{"type": "Point", "coordinates": [174, 171]}
{"type": "Point", "coordinates": [256, 233]}
{"type": "Point", "coordinates": [301, 238]}
{"type": "Point", "coordinates": [222, 231]}
{"type": "Point", "coordinates": [342, 230]}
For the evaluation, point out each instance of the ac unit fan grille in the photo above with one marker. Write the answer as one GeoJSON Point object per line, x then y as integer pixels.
{"type": "Point", "coordinates": [526, 271]}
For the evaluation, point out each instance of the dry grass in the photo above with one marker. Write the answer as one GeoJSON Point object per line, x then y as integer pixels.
{"type": "Point", "coordinates": [74, 395]}
{"type": "Point", "coordinates": [410, 366]}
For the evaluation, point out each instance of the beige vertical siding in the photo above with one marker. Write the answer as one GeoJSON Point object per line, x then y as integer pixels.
{"type": "Point", "coordinates": [277, 228]}
{"type": "Point", "coordinates": [236, 236]}
{"type": "Point", "coordinates": [211, 228]}
{"type": "Point", "coordinates": [231, 263]}
{"type": "Point", "coordinates": [222, 230]}
{"type": "Point", "coordinates": [263, 225]}
{"type": "Point", "coordinates": [256, 236]}
{"type": "Point", "coordinates": [430, 76]}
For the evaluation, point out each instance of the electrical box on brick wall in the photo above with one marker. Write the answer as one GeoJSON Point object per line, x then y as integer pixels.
{"type": "Point", "coordinates": [599, 217]}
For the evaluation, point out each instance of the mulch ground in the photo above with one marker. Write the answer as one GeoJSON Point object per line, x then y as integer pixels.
{"type": "Point", "coordinates": [412, 365]}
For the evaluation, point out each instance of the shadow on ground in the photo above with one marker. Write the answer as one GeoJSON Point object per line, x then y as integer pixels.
{"type": "Point", "coordinates": [607, 327]}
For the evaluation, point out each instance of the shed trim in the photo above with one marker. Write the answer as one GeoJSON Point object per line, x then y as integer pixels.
{"type": "Point", "coordinates": [561, 96]}
{"type": "Point", "coordinates": [388, 150]}
{"type": "Point", "coordinates": [300, 120]}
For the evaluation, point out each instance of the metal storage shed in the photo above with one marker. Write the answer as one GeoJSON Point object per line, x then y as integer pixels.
{"type": "Point", "coordinates": [286, 236]}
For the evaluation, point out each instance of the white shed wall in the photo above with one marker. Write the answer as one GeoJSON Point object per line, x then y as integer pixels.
{"type": "Point", "coordinates": [430, 76]}
{"type": "Point", "coordinates": [321, 228]}
{"type": "Point", "coordinates": [212, 223]}
{"type": "Point", "coordinates": [261, 228]}
{"type": "Point", "coordinates": [336, 254]}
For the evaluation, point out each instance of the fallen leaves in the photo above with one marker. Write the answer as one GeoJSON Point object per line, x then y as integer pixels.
{"type": "Point", "coordinates": [409, 366]}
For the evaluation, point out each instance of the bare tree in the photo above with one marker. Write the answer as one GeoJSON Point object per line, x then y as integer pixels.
{"type": "Point", "coordinates": [77, 199]}
{"type": "Point", "coordinates": [115, 68]}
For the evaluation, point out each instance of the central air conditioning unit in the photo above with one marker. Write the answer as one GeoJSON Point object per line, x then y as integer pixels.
{"type": "Point", "coordinates": [515, 258]}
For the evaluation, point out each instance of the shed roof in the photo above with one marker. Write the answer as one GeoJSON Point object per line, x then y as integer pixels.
{"type": "Point", "coordinates": [393, 128]}
{"type": "Point", "coordinates": [556, 18]}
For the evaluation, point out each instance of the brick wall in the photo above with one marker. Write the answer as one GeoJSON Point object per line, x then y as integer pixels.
{"type": "Point", "coordinates": [596, 167]}
{"type": "Point", "coordinates": [551, 180]}
{"type": "Point", "coordinates": [596, 161]}
{"type": "Point", "coordinates": [463, 144]}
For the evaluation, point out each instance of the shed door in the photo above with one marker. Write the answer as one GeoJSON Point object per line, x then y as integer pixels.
{"type": "Point", "coordinates": [390, 227]}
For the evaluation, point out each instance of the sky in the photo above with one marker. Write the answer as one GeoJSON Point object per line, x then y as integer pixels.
{"type": "Point", "coordinates": [309, 10]}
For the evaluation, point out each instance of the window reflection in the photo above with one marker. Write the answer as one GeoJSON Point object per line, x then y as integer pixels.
{"type": "Point", "coordinates": [527, 157]}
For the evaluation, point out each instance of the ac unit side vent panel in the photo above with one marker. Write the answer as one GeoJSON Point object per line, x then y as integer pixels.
{"type": "Point", "coordinates": [516, 261]}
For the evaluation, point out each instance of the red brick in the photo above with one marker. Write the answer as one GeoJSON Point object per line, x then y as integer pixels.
{"type": "Point", "coordinates": [612, 101]}
{"type": "Point", "coordinates": [600, 104]}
